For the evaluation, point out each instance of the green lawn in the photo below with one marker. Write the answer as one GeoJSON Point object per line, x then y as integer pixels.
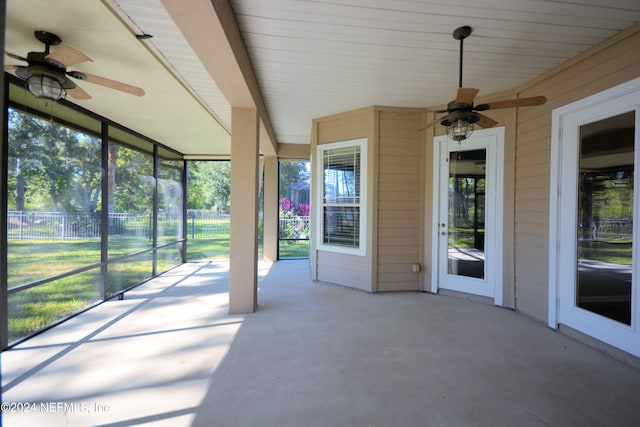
{"type": "Point", "coordinates": [207, 249]}
{"type": "Point", "coordinates": [614, 251]}
{"type": "Point", "coordinates": [198, 250]}
{"type": "Point", "coordinates": [35, 308]}
{"type": "Point", "coordinates": [30, 260]}
{"type": "Point", "coordinates": [293, 249]}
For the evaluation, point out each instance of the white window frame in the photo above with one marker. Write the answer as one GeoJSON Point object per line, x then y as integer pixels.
{"type": "Point", "coordinates": [319, 198]}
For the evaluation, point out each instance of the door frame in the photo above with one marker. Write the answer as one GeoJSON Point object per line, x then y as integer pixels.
{"type": "Point", "coordinates": [563, 207]}
{"type": "Point", "coordinates": [494, 228]}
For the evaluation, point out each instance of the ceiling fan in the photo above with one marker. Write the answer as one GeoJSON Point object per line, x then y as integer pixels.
{"type": "Point", "coordinates": [47, 76]}
{"type": "Point", "coordinates": [462, 114]}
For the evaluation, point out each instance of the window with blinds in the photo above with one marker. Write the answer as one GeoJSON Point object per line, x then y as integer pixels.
{"type": "Point", "coordinates": [342, 196]}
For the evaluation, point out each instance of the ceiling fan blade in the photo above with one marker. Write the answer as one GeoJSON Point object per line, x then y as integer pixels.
{"type": "Point", "coordinates": [485, 122]}
{"type": "Point", "coordinates": [14, 56]}
{"type": "Point", "coordinates": [19, 70]}
{"type": "Point", "coordinates": [66, 56]}
{"type": "Point", "coordinates": [466, 95]}
{"type": "Point", "coordinates": [12, 68]}
{"type": "Point", "coordinates": [103, 81]}
{"type": "Point", "coordinates": [78, 93]}
{"type": "Point", "coordinates": [511, 103]}
{"type": "Point", "coordinates": [428, 125]}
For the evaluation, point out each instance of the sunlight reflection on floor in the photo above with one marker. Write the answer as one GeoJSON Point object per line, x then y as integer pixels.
{"type": "Point", "coordinates": [146, 358]}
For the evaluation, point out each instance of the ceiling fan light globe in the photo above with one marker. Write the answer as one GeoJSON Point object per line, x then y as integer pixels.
{"type": "Point", "coordinates": [460, 130]}
{"type": "Point", "coordinates": [46, 87]}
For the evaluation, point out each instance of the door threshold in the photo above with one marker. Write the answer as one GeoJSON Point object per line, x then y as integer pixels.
{"type": "Point", "coordinates": [602, 346]}
{"type": "Point", "coordinates": [469, 297]}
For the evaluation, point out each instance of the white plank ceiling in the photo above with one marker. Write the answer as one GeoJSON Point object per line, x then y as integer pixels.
{"type": "Point", "coordinates": [319, 57]}
{"type": "Point", "coordinates": [313, 57]}
{"type": "Point", "coordinates": [189, 116]}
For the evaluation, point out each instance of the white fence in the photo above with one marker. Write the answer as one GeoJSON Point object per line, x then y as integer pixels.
{"type": "Point", "coordinates": [201, 224]}
{"type": "Point", "coordinates": [67, 226]}
{"type": "Point", "coordinates": [51, 225]}
{"type": "Point", "coordinates": [612, 229]}
{"type": "Point", "coordinates": [294, 228]}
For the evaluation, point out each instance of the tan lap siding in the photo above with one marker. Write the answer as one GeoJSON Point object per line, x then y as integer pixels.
{"type": "Point", "coordinates": [345, 270]}
{"type": "Point", "coordinates": [399, 189]}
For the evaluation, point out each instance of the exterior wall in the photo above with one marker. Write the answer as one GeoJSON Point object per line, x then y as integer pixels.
{"type": "Point", "coordinates": [347, 270]}
{"type": "Point", "coordinates": [395, 220]}
{"type": "Point", "coordinates": [401, 180]}
{"type": "Point", "coordinates": [613, 62]}
{"type": "Point", "coordinates": [400, 190]}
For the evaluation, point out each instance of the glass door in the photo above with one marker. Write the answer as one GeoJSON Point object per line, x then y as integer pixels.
{"type": "Point", "coordinates": [593, 250]}
{"type": "Point", "coordinates": [468, 229]}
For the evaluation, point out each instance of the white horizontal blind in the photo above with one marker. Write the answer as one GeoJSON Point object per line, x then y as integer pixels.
{"type": "Point", "coordinates": [341, 200]}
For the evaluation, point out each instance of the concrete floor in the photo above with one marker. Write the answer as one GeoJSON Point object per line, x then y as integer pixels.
{"type": "Point", "coordinates": [313, 355]}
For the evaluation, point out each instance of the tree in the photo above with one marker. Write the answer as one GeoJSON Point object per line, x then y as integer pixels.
{"type": "Point", "coordinates": [209, 184]}
{"type": "Point", "coordinates": [133, 179]}
{"type": "Point", "coordinates": [52, 166]}
{"type": "Point", "coordinates": [291, 173]}
{"type": "Point", "coordinates": [112, 160]}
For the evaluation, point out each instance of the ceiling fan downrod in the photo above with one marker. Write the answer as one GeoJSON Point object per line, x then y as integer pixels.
{"type": "Point", "coordinates": [461, 33]}
{"type": "Point", "coordinates": [49, 39]}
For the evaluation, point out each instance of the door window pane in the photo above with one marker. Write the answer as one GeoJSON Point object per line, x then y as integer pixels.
{"type": "Point", "coordinates": [467, 183]}
{"type": "Point", "coordinates": [605, 217]}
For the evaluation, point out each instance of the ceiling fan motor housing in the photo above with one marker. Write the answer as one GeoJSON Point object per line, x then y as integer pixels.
{"type": "Point", "coordinates": [454, 116]}
{"type": "Point", "coordinates": [458, 106]}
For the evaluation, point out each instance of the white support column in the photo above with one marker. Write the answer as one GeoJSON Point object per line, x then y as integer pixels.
{"type": "Point", "coordinates": [270, 219]}
{"type": "Point", "coordinates": [243, 270]}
